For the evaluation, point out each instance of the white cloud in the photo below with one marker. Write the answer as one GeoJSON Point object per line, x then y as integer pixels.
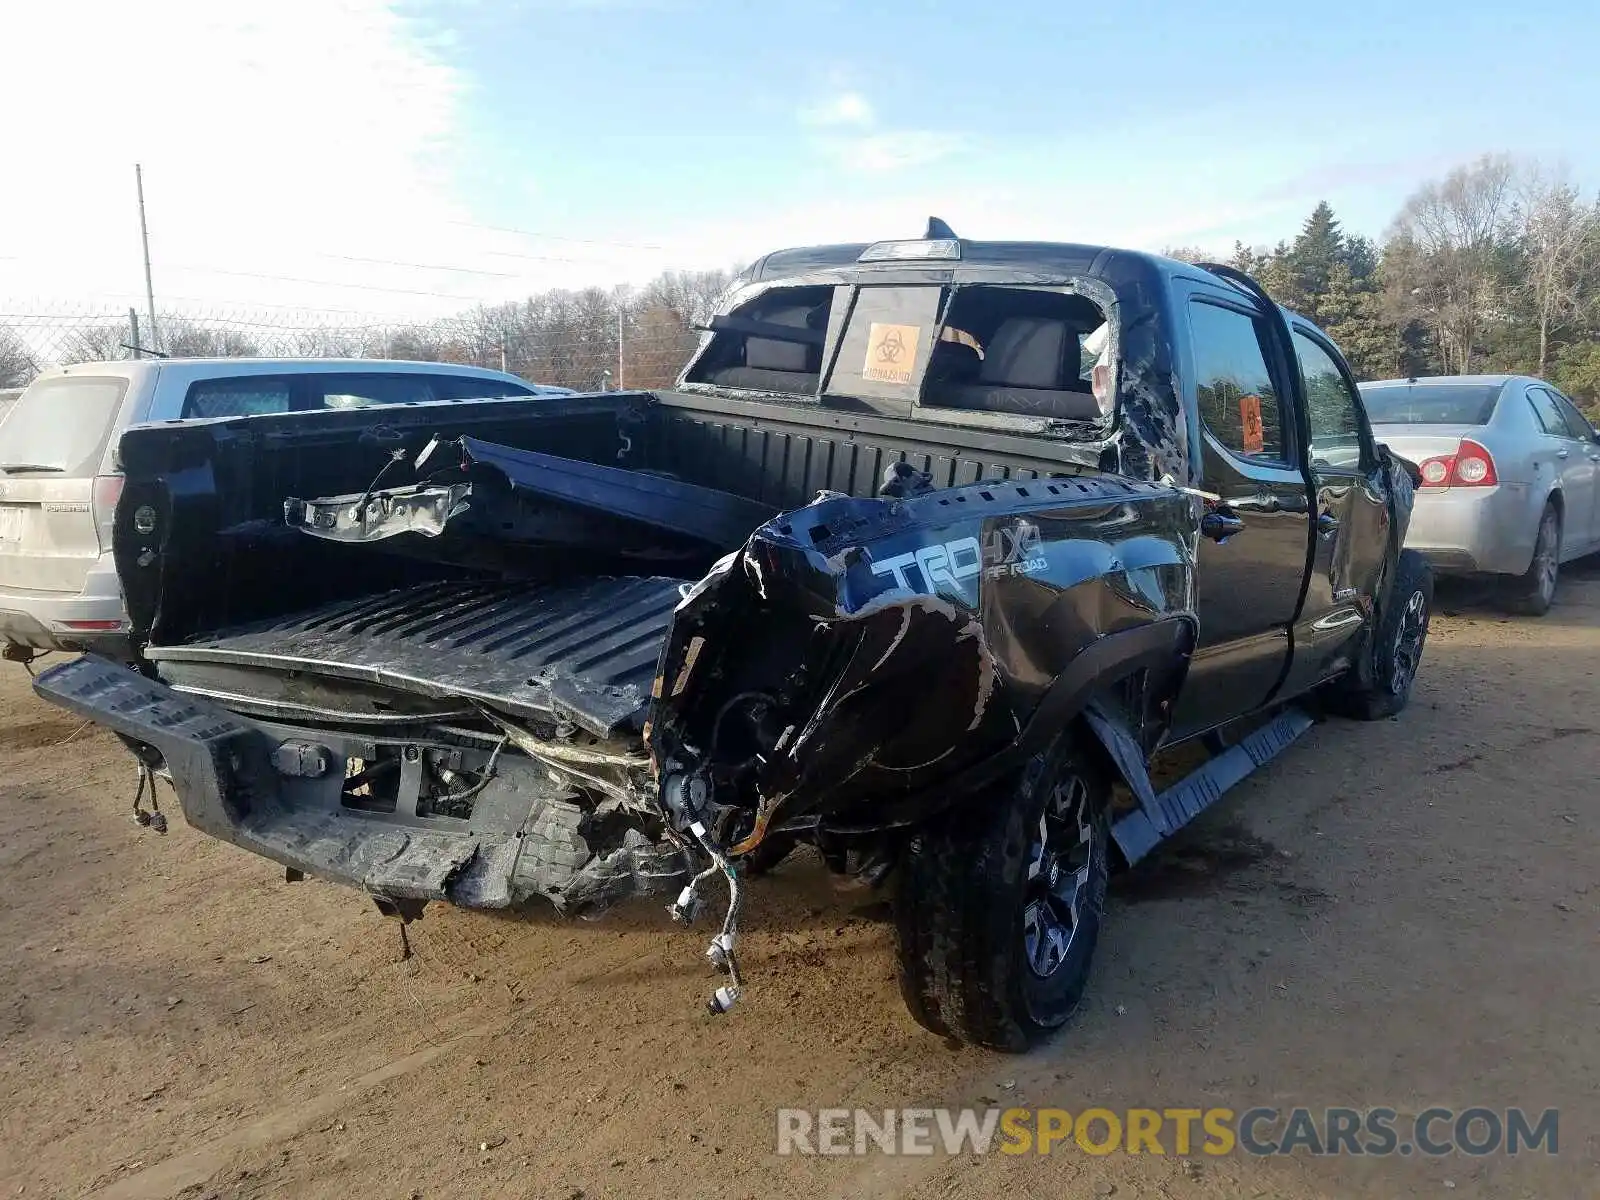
{"type": "Point", "coordinates": [276, 136]}
{"type": "Point", "coordinates": [848, 135]}
{"type": "Point", "coordinates": [847, 108]}
{"type": "Point", "coordinates": [890, 150]}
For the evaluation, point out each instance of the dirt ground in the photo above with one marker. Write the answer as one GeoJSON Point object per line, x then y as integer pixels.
{"type": "Point", "coordinates": [1398, 914]}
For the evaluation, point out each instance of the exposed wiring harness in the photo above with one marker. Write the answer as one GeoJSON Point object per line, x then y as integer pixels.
{"type": "Point", "coordinates": [722, 952]}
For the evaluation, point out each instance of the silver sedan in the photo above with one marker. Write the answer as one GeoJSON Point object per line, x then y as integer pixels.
{"type": "Point", "coordinates": [1510, 476]}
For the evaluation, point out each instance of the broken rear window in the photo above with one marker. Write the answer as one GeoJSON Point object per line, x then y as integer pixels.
{"type": "Point", "coordinates": [1024, 351]}
{"type": "Point", "coordinates": [772, 344]}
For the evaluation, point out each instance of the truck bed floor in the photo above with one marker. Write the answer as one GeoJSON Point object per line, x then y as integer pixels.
{"type": "Point", "coordinates": [584, 652]}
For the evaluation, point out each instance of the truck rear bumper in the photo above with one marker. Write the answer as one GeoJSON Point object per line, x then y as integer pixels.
{"type": "Point", "coordinates": [524, 838]}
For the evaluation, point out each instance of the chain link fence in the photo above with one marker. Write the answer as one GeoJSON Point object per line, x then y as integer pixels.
{"type": "Point", "coordinates": [587, 340]}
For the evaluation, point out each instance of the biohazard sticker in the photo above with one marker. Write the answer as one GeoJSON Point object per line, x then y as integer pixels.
{"type": "Point", "coordinates": [891, 353]}
{"type": "Point", "coordinates": [1255, 439]}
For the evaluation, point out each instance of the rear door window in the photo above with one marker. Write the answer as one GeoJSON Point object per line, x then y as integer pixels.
{"type": "Point", "coordinates": [1333, 406]}
{"type": "Point", "coordinates": [1549, 413]}
{"type": "Point", "coordinates": [60, 426]}
{"type": "Point", "coordinates": [362, 391]}
{"type": "Point", "coordinates": [1580, 425]}
{"type": "Point", "coordinates": [1577, 424]}
{"type": "Point", "coordinates": [1238, 400]}
{"type": "Point", "coordinates": [238, 396]}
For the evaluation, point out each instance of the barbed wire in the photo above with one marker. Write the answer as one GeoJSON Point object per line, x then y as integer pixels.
{"type": "Point", "coordinates": [583, 341]}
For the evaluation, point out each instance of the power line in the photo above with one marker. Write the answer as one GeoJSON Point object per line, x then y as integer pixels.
{"type": "Point", "coordinates": [361, 287]}
{"type": "Point", "coordinates": [391, 262]}
{"type": "Point", "coordinates": [556, 237]}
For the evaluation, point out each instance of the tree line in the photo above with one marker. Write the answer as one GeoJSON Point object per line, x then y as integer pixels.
{"type": "Point", "coordinates": [1495, 268]}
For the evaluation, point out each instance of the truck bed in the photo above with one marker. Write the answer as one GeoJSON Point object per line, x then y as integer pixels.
{"type": "Point", "coordinates": [222, 556]}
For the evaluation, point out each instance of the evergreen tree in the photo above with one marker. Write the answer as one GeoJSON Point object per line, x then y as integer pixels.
{"type": "Point", "coordinates": [1311, 261]}
{"type": "Point", "coordinates": [1361, 256]}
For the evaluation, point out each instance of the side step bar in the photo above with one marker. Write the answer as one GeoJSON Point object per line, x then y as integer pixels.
{"type": "Point", "coordinates": [1141, 831]}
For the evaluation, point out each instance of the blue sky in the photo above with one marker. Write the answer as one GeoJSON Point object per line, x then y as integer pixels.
{"type": "Point", "coordinates": [403, 156]}
{"type": "Point", "coordinates": [1153, 120]}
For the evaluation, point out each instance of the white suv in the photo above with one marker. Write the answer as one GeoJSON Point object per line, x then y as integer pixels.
{"type": "Point", "coordinates": [59, 483]}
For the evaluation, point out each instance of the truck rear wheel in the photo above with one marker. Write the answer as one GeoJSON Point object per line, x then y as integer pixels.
{"type": "Point", "coordinates": [999, 904]}
{"type": "Point", "coordinates": [1395, 651]}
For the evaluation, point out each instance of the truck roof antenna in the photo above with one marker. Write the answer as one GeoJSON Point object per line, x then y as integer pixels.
{"type": "Point", "coordinates": [938, 229]}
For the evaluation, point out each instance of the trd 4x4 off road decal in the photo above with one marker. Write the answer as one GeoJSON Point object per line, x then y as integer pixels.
{"type": "Point", "coordinates": [1005, 550]}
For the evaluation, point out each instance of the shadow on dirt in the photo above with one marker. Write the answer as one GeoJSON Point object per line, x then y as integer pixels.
{"type": "Point", "coordinates": [1479, 596]}
{"type": "Point", "coordinates": [1199, 861]}
{"type": "Point", "coordinates": [1212, 861]}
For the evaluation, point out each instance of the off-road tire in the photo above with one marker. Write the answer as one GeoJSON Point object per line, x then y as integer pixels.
{"type": "Point", "coordinates": [1382, 688]}
{"type": "Point", "coordinates": [963, 903]}
{"type": "Point", "coordinates": [1532, 592]}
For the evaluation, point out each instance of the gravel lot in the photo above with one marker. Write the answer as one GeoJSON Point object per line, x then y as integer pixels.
{"type": "Point", "coordinates": [1398, 914]}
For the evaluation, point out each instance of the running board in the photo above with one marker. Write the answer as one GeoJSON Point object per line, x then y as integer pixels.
{"type": "Point", "coordinates": [1141, 831]}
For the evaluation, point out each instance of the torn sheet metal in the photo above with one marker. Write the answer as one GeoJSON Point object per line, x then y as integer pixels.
{"type": "Point", "coordinates": [670, 505]}
{"type": "Point", "coordinates": [374, 516]}
{"type": "Point", "coordinates": [857, 653]}
{"type": "Point", "coordinates": [524, 839]}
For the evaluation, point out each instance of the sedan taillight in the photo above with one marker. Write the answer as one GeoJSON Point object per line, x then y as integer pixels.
{"type": "Point", "coordinates": [1470, 466]}
{"type": "Point", "coordinates": [107, 491]}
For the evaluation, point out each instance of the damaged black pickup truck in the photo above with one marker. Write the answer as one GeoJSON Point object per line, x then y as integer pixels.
{"type": "Point", "coordinates": [933, 548]}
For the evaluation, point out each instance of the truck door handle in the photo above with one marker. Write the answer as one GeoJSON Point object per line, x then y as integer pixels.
{"type": "Point", "coordinates": [1327, 523]}
{"type": "Point", "coordinates": [1219, 527]}
{"type": "Point", "coordinates": [1561, 453]}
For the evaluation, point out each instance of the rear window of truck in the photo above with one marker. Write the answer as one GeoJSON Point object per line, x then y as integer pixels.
{"type": "Point", "coordinates": [1431, 404]}
{"type": "Point", "coordinates": [772, 344]}
{"type": "Point", "coordinates": [1016, 350]}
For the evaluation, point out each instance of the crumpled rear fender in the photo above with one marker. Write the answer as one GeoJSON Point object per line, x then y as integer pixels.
{"type": "Point", "coordinates": [858, 660]}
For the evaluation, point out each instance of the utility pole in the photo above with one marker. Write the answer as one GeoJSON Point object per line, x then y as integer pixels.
{"type": "Point", "coordinates": [622, 315]}
{"type": "Point", "coordinates": [133, 333]}
{"type": "Point", "coordinates": [144, 237]}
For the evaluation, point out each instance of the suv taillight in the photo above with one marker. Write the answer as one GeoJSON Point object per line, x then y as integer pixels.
{"type": "Point", "coordinates": [107, 491]}
{"type": "Point", "coordinates": [1470, 466]}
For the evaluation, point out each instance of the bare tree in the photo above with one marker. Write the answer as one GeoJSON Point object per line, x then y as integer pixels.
{"type": "Point", "coordinates": [1560, 237]}
{"type": "Point", "coordinates": [1454, 239]}
{"type": "Point", "coordinates": [17, 363]}
{"type": "Point", "coordinates": [183, 338]}
{"type": "Point", "coordinates": [331, 342]}
{"type": "Point", "coordinates": [693, 295]}
{"type": "Point", "coordinates": [100, 342]}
